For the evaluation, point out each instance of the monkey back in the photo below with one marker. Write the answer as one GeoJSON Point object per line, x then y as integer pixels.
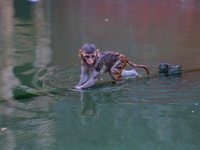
{"type": "Point", "coordinates": [107, 59]}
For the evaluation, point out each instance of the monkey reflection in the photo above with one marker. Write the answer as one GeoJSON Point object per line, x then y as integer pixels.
{"type": "Point", "coordinates": [94, 63]}
{"type": "Point", "coordinates": [89, 105]}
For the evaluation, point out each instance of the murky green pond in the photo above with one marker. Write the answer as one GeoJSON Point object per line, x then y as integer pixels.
{"type": "Point", "coordinates": [39, 66]}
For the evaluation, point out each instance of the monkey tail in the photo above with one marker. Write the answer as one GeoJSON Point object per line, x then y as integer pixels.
{"type": "Point", "coordinates": [139, 66]}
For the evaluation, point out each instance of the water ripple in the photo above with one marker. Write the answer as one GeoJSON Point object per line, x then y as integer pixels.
{"type": "Point", "coordinates": [139, 90]}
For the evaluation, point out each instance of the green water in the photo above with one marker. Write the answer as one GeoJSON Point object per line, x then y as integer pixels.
{"type": "Point", "coordinates": [39, 41]}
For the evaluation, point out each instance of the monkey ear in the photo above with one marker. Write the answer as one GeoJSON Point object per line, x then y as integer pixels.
{"type": "Point", "coordinates": [98, 52]}
{"type": "Point", "coordinates": [79, 53]}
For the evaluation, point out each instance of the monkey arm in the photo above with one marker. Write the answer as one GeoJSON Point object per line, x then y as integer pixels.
{"type": "Point", "coordinates": [84, 75]}
{"type": "Point", "coordinates": [93, 79]}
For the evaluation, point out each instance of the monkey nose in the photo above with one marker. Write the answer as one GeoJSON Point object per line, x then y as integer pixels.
{"type": "Point", "coordinates": [90, 61]}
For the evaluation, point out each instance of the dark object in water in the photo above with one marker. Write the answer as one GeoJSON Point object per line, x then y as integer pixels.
{"type": "Point", "coordinates": [169, 69]}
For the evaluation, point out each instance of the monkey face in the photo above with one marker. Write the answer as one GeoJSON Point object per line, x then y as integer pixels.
{"type": "Point", "coordinates": [89, 58]}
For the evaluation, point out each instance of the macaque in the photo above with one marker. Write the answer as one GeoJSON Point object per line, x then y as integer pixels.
{"type": "Point", "coordinates": [94, 63]}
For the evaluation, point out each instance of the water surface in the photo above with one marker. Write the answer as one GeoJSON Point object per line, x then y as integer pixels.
{"type": "Point", "coordinates": [39, 67]}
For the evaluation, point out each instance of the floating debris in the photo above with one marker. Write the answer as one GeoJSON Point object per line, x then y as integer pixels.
{"type": "Point", "coordinates": [33, 0]}
{"type": "Point", "coordinates": [169, 69]}
{"type": "Point", "coordinates": [106, 19]}
{"type": "Point", "coordinates": [3, 129]}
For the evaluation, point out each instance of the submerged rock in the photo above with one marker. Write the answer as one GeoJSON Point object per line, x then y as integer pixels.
{"type": "Point", "coordinates": [169, 69]}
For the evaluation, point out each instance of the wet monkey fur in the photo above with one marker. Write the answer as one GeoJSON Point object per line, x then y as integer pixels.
{"type": "Point", "coordinates": [94, 63]}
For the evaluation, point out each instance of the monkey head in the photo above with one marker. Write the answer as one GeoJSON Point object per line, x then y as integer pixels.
{"type": "Point", "coordinates": [88, 53]}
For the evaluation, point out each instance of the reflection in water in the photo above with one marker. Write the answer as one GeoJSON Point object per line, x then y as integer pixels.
{"type": "Point", "coordinates": [25, 126]}
{"type": "Point", "coordinates": [8, 79]}
{"type": "Point", "coordinates": [90, 107]}
{"type": "Point", "coordinates": [128, 118]}
{"type": "Point", "coordinates": [18, 44]}
{"type": "Point", "coordinates": [17, 53]}
{"type": "Point", "coordinates": [43, 51]}
{"type": "Point", "coordinates": [149, 113]}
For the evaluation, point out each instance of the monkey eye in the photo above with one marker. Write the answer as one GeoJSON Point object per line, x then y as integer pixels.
{"type": "Point", "coordinates": [93, 56]}
{"type": "Point", "coordinates": [88, 56]}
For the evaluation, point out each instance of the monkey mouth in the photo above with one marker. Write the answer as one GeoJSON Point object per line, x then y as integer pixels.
{"type": "Point", "coordinates": [90, 62]}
